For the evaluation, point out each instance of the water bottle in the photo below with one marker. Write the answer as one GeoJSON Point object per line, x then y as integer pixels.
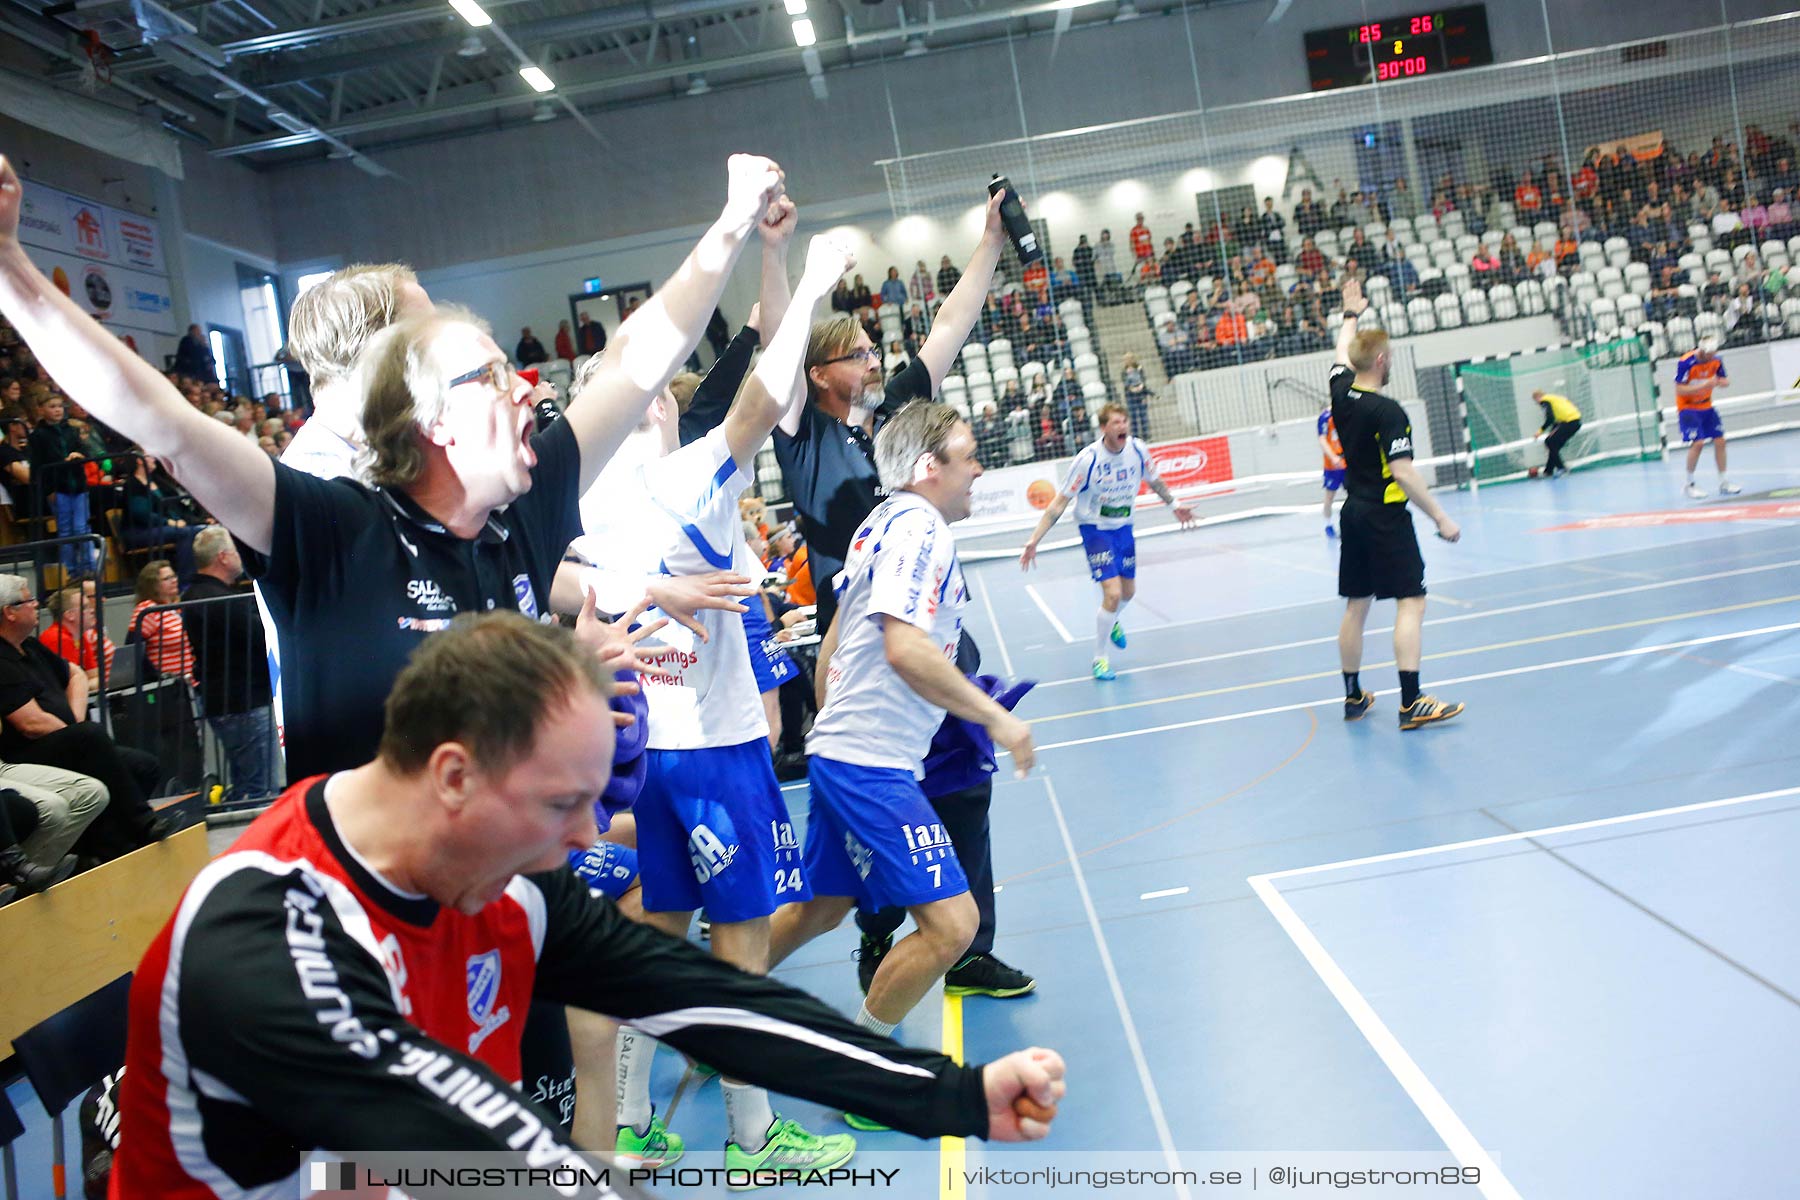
{"type": "Point", "coordinates": [1018, 228]}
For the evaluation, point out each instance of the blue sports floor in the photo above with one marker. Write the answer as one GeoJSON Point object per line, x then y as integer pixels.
{"type": "Point", "coordinates": [1259, 933]}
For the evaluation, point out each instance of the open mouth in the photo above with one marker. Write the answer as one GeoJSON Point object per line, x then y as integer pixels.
{"type": "Point", "coordinates": [527, 423]}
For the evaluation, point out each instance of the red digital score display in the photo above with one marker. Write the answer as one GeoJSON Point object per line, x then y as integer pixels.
{"type": "Point", "coordinates": [1395, 48]}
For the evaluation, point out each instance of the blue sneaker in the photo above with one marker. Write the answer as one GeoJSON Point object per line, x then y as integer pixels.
{"type": "Point", "coordinates": [1331, 531]}
{"type": "Point", "coordinates": [1103, 670]}
{"type": "Point", "coordinates": [1118, 635]}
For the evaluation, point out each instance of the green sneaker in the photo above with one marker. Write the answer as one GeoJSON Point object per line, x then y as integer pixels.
{"type": "Point", "coordinates": [789, 1147]}
{"type": "Point", "coordinates": [866, 1125]}
{"type": "Point", "coordinates": [655, 1148]}
{"type": "Point", "coordinates": [1103, 670]}
{"type": "Point", "coordinates": [1118, 635]}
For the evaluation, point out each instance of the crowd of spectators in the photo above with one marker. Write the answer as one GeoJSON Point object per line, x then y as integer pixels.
{"type": "Point", "coordinates": [64, 474]}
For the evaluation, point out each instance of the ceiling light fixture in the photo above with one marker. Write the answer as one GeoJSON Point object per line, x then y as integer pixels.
{"type": "Point", "coordinates": [471, 12]}
{"type": "Point", "coordinates": [803, 33]}
{"type": "Point", "coordinates": [536, 78]}
{"type": "Point", "coordinates": [796, 8]}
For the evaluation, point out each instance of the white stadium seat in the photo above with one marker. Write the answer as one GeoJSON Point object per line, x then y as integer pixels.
{"type": "Point", "coordinates": [1475, 307]}
{"type": "Point", "coordinates": [1503, 301]}
{"type": "Point", "coordinates": [1708, 325]}
{"type": "Point", "coordinates": [1393, 319]}
{"type": "Point", "coordinates": [1458, 275]}
{"type": "Point", "coordinates": [1681, 335]}
{"type": "Point", "coordinates": [1421, 315]}
{"type": "Point", "coordinates": [1631, 310]}
{"type": "Point", "coordinates": [1449, 312]}
{"type": "Point", "coordinates": [1605, 316]}
{"type": "Point", "coordinates": [1637, 279]}
{"type": "Point", "coordinates": [1618, 252]}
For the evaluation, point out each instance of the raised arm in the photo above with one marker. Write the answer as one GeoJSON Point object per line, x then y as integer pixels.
{"type": "Point", "coordinates": [649, 348]}
{"type": "Point", "coordinates": [962, 308]}
{"type": "Point", "coordinates": [1354, 304]}
{"type": "Point", "coordinates": [776, 229]}
{"type": "Point", "coordinates": [226, 473]}
{"type": "Point", "coordinates": [777, 383]}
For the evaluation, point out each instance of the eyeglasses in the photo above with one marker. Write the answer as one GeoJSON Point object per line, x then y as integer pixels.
{"type": "Point", "coordinates": [868, 354]}
{"type": "Point", "coordinates": [20, 603]}
{"type": "Point", "coordinates": [499, 373]}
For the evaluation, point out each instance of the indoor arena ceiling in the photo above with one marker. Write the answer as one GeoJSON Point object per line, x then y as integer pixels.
{"type": "Point", "coordinates": [271, 81]}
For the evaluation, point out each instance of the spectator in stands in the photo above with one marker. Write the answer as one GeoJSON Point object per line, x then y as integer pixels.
{"type": "Point", "coordinates": [15, 465]}
{"type": "Point", "coordinates": [1567, 251]}
{"type": "Point", "coordinates": [1106, 268]}
{"type": "Point", "coordinates": [150, 517]}
{"type": "Point", "coordinates": [1513, 266]}
{"type": "Point", "coordinates": [229, 655]}
{"type": "Point", "coordinates": [1274, 231]}
{"type": "Point", "coordinates": [1142, 244]}
{"type": "Point", "coordinates": [529, 352]}
{"type": "Point", "coordinates": [590, 335]}
{"type": "Point", "coordinates": [921, 287]}
{"type": "Point", "coordinates": [40, 696]}
{"type": "Point", "coordinates": [860, 297]}
{"type": "Point", "coordinates": [1310, 262]}
{"type": "Point", "coordinates": [1755, 217]}
{"type": "Point", "coordinates": [1741, 321]}
{"type": "Point", "coordinates": [1063, 280]}
{"type": "Point", "coordinates": [565, 342]}
{"type": "Point", "coordinates": [1402, 203]}
{"type": "Point", "coordinates": [1484, 267]}
{"type": "Point", "coordinates": [56, 463]}
{"type": "Point", "coordinates": [947, 277]}
{"type": "Point", "coordinates": [1082, 259]}
{"type": "Point", "coordinates": [1170, 265]}
{"type": "Point", "coordinates": [1136, 391]}
{"type": "Point", "coordinates": [893, 288]}
{"type": "Point", "coordinates": [75, 633]}
{"type": "Point", "coordinates": [840, 298]}
{"type": "Point", "coordinates": [1309, 215]}
{"type": "Point", "coordinates": [1019, 436]}
{"type": "Point", "coordinates": [791, 557]}
{"type": "Point", "coordinates": [165, 640]}
{"type": "Point", "coordinates": [1231, 329]}
{"type": "Point", "coordinates": [1362, 252]}
{"type": "Point", "coordinates": [1663, 301]}
{"type": "Point", "coordinates": [194, 356]}
{"type": "Point", "coordinates": [990, 435]}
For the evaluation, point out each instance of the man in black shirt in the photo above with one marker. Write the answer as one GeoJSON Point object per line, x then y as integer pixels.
{"type": "Point", "coordinates": [529, 352]}
{"type": "Point", "coordinates": [1380, 555]}
{"type": "Point", "coordinates": [826, 447]}
{"type": "Point", "coordinates": [43, 720]}
{"type": "Point", "coordinates": [467, 513]}
{"type": "Point", "coordinates": [228, 656]}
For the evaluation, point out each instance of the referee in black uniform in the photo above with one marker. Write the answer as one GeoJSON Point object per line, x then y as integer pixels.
{"type": "Point", "coordinates": [1380, 556]}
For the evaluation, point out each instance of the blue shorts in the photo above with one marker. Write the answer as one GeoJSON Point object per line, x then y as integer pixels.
{"type": "Point", "coordinates": [1334, 479]}
{"type": "Point", "coordinates": [768, 660]}
{"type": "Point", "coordinates": [1110, 552]}
{"type": "Point", "coordinates": [608, 868]}
{"type": "Point", "coordinates": [713, 833]}
{"type": "Point", "coordinates": [872, 835]}
{"type": "Point", "coordinates": [1700, 425]}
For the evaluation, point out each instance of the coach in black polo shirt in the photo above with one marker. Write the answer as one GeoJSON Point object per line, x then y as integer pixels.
{"type": "Point", "coordinates": [826, 447]}
{"type": "Point", "coordinates": [469, 511]}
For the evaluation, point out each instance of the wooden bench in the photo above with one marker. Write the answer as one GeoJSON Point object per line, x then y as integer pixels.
{"type": "Point", "coordinates": [81, 935]}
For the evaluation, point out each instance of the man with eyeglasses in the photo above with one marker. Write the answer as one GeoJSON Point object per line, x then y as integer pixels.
{"type": "Point", "coordinates": [464, 509]}
{"type": "Point", "coordinates": [826, 447]}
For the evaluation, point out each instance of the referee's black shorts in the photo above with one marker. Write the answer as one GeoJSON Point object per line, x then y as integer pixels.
{"type": "Point", "coordinates": [1379, 555]}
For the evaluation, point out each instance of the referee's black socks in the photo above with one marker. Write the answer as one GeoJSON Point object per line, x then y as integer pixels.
{"type": "Point", "coordinates": [1409, 688]}
{"type": "Point", "coordinates": [1352, 684]}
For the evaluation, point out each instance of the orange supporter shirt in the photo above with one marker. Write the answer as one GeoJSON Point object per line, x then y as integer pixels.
{"type": "Point", "coordinates": [1142, 244]}
{"type": "Point", "coordinates": [800, 588]}
{"type": "Point", "coordinates": [1232, 328]}
{"type": "Point", "coordinates": [59, 641]}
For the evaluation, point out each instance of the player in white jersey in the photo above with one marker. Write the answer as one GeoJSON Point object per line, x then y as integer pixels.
{"type": "Point", "coordinates": [712, 828]}
{"type": "Point", "coordinates": [1104, 482]}
{"type": "Point", "coordinates": [889, 674]}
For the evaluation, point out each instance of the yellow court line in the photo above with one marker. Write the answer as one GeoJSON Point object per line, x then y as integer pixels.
{"type": "Point", "coordinates": [951, 1150]}
{"type": "Point", "coordinates": [1530, 641]}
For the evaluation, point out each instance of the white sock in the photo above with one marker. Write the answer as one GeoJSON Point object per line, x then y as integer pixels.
{"type": "Point", "coordinates": [636, 1052]}
{"type": "Point", "coordinates": [1119, 617]}
{"type": "Point", "coordinates": [1690, 479]}
{"type": "Point", "coordinates": [747, 1115]}
{"type": "Point", "coordinates": [869, 1021]}
{"type": "Point", "coordinates": [1103, 623]}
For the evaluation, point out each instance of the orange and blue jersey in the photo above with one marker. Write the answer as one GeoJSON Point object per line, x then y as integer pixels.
{"type": "Point", "coordinates": [1691, 370]}
{"type": "Point", "coordinates": [1328, 431]}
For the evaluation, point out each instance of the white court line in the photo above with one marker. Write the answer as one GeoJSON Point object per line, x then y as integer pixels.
{"type": "Point", "coordinates": [1424, 1095]}
{"type": "Point", "coordinates": [1435, 622]}
{"type": "Point", "coordinates": [1179, 891]}
{"type": "Point", "coordinates": [1406, 1072]}
{"type": "Point", "coordinates": [1157, 1118]}
{"type": "Point", "coordinates": [999, 638]}
{"type": "Point", "coordinates": [1031, 590]}
{"type": "Point", "coordinates": [1635, 652]}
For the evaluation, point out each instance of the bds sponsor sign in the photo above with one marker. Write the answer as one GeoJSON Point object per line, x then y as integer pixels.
{"type": "Point", "coordinates": [1192, 462]}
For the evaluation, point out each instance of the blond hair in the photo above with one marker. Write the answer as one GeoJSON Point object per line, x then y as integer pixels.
{"type": "Point", "coordinates": [830, 338]}
{"type": "Point", "coordinates": [1109, 409]}
{"type": "Point", "coordinates": [1366, 346]}
{"type": "Point", "coordinates": [404, 393]}
{"type": "Point", "coordinates": [333, 320]}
